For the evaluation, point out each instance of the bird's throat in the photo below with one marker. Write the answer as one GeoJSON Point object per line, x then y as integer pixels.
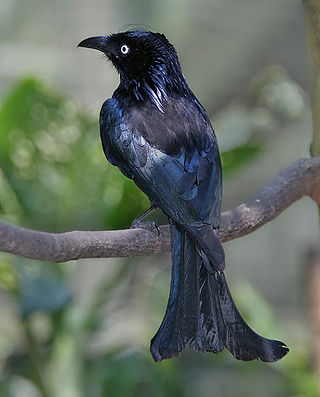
{"type": "Point", "coordinates": [143, 89]}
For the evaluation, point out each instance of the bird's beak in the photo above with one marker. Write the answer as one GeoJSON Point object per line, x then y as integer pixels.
{"type": "Point", "coordinates": [97, 43]}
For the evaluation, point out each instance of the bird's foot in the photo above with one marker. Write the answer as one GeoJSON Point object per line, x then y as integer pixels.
{"type": "Point", "coordinates": [147, 225]}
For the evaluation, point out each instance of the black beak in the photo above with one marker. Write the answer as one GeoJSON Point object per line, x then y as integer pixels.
{"type": "Point", "coordinates": [97, 43]}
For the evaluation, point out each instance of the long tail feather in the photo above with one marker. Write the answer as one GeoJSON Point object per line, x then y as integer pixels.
{"type": "Point", "coordinates": [191, 318]}
{"type": "Point", "coordinates": [201, 313]}
{"type": "Point", "coordinates": [241, 340]}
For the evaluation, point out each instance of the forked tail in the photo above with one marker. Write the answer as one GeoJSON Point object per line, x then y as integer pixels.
{"type": "Point", "coordinates": [201, 313]}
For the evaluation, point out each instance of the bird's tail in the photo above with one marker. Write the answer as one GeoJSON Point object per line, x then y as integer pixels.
{"type": "Point", "coordinates": [201, 314]}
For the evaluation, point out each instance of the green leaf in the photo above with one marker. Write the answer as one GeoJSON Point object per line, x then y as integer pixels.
{"type": "Point", "coordinates": [9, 278]}
{"type": "Point", "coordinates": [233, 160]}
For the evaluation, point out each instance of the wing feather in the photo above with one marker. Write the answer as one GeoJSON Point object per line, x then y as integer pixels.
{"type": "Point", "coordinates": [186, 185]}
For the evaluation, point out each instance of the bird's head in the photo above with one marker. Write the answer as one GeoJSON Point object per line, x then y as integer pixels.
{"type": "Point", "coordinates": [144, 60]}
{"type": "Point", "coordinates": [135, 53]}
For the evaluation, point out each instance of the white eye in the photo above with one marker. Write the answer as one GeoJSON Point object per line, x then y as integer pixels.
{"type": "Point", "coordinates": [124, 49]}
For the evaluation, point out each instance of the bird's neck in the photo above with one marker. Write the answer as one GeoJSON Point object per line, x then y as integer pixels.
{"type": "Point", "coordinates": [155, 86]}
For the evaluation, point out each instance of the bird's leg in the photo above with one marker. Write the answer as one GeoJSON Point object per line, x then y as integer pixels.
{"type": "Point", "coordinates": [138, 223]}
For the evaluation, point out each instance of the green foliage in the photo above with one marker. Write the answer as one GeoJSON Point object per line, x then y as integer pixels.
{"type": "Point", "coordinates": [8, 276]}
{"type": "Point", "coordinates": [134, 375]}
{"type": "Point", "coordinates": [54, 169]}
{"type": "Point", "coordinates": [234, 159]}
{"type": "Point", "coordinates": [301, 379]}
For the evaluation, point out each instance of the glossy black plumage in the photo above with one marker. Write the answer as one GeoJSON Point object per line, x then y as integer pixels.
{"type": "Point", "coordinates": [157, 133]}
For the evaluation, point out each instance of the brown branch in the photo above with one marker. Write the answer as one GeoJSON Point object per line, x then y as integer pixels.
{"type": "Point", "coordinates": [295, 181]}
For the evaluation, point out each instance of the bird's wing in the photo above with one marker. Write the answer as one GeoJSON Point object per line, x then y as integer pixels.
{"type": "Point", "coordinates": [186, 186]}
{"type": "Point", "coordinates": [111, 129]}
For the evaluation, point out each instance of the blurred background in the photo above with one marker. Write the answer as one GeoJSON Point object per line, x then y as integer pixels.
{"type": "Point", "coordinates": [83, 328]}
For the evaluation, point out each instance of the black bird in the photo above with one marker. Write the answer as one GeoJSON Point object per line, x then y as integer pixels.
{"type": "Point", "coordinates": [157, 133]}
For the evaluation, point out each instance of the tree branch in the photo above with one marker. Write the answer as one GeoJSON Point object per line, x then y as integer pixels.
{"type": "Point", "coordinates": [295, 181]}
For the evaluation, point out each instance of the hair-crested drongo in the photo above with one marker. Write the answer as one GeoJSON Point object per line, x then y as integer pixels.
{"type": "Point", "coordinates": [157, 133]}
